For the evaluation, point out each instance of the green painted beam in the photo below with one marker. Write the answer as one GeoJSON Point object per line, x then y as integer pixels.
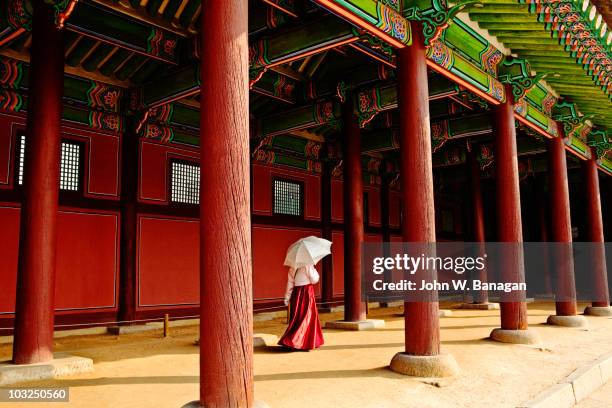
{"type": "Point", "coordinates": [103, 24]}
{"type": "Point", "coordinates": [505, 17]}
{"type": "Point", "coordinates": [304, 39]}
{"type": "Point", "coordinates": [502, 26]}
{"type": "Point", "coordinates": [309, 38]}
{"type": "Point", "coordinates": [304, 117]}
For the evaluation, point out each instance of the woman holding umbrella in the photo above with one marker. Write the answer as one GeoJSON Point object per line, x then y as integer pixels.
{"type": "Point", "coordinates": [304, 330]}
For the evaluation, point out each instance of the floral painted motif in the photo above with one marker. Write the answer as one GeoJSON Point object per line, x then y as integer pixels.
{"type": "Point", "coordinates": [393, 23]}
{"type": "Point", "coordinates": [324, 112]}
{"type": "Point", "coordinates": [312, 149]}
{"type": "Point", "coordinates": [440, 54]}
{"type": "Point", "coordinates": [11, 73]}
{"type": "Point", "coordinates": [497, 90]}
{"type": "Point", "coordinates": [368, 105]}
{"type": "Point", "coordinates": [439, 135]}
{"type": "Point", "coordinates": [20, 14]}
{"type": "Point", "coordinates": [548, 103]}
{"type": "Point", "coordinates": [10, 101]}
{"type": "Point", "coordinates": [520, 107]}
{"type": "Point", "coordinates": [485, 158]}
{"type": "Point", "coordinates": [105, 121]}
{"type": "Point", "coordinates": [490, 59]}
{"type": "Point", "coordinates": [161, 44]}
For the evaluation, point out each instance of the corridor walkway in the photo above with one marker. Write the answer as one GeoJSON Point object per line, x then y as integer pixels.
{"type": "Point", "coordinates": [146, 370]}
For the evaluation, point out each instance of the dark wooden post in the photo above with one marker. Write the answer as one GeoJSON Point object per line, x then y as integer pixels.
{"type": "Point", "coordinates": [327, 264]}
{"type": "Point", "coordinates": [595, 235]}
{"type": "Point", "coordinates": [509, 224]}
{"type": "Point", "coordinates": [34, 312]}
{"type": "Point", "coordinates": [354, 307]}
{"type": "Point", "coordinates": [129, 192]}
{"type": "Point", "coordinates": [478, 226]}
{"type": "Point", "coordinates": [542, 215]}
{"type": "Point", "coordinates": [561, 234]}
{"type": "Point", "coordinates": [422, 326]}
{"type": "Point", "coordinates": [226, 302]}
{"type": "Point", "coordinates": [384, 215]}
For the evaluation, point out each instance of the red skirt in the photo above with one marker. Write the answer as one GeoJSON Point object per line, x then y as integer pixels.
{"type": "Point", "coordinates": [304, 330]}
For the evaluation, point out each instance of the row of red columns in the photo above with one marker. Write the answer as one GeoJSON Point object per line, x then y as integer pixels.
{"type": "Point", "coordinates": [226, 367]}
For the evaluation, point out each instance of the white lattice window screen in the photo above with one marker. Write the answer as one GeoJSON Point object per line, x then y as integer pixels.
{"type": "Point", "coordinates": [287, 198]}
{"type": "Point", "coordinates": [21, 159]}
{"type": "Point", "coordinates": [185, 182]}
{"type": "Point", "coordinates": [70, 163]}
{"type": "Point", "coordinates": [69, 166]}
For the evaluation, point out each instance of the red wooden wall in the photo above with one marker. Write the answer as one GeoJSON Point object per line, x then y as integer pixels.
{"type": "Point", "coordinates": [167, 239]}
{"type": "Point", "coordinates": [88, 232]}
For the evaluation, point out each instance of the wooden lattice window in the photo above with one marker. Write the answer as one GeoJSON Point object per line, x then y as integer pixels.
{"type": "Point", "coordinates": [185, 183]}
{"type": "Point", "coordinates": [288, 197]}
{"type": "Point", "coordinates": [21, 159]}
{"type": "Point", "coordinates": [70, 164]}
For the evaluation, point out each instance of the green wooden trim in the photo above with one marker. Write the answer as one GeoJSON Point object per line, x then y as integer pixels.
{"type": "Point", "coordinates": [378, 17]}
{"type": "Point", "coordinates": [605, 164]}
{"type": "Point", "coordinates": [578, 146]}
{"type": "Point", "coordinates": [443, 56]}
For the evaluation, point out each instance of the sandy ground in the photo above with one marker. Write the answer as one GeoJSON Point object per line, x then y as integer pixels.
{"type": "Point", "coordinates": [350, 370]}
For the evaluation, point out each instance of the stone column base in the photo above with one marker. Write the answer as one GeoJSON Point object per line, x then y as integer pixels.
{"type": "Point", "coordinates": [567, 321]}
{"type": "Point", "coordinates": [196, 404]}
{"type": "Point", "coordinates": [441, 365]}
{"type": "Point", "coordinates": [368, 324]}
{"type": "Point", "coordinates": [479, 306]}
{"type": "Point", "coordinates": [62, 365]}
{"type": "Point", "coordinates": [527, 336]}
{"type": "Point", "coordinates": [264, 340]}
{"type": "Point", "coordinates": [259, 340]}
{"type": "Point", "coordinates": [602, 311]}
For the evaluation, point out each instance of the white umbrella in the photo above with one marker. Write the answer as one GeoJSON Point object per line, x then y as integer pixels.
{"type": "Point", "coordinates": [307, 251]}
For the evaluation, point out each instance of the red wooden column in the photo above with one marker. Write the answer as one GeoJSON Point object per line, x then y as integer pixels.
{"type": "Point", "coordinates": [226, 329]}
{"type": "Point", "coordinates": [327, 264]}
{"type": "Point", "coordinates": [354, 307]}
{"type": "Point", "coordinates": [129, 219]}
{"type": "Point", "coordinates": [34, 311]}
{"type": "Point", "coordinates": [509, 224]}
{"type": "Point", "coordinates": [595, 235]}
{"type": "Point", "coordinates": [478, 226]}
{"type": "Point", "coordinates": [561, 235]}
{"type": "Point", "coordinates": [542, 214]}
{"type": "Point", "coordinates": [422, 327]}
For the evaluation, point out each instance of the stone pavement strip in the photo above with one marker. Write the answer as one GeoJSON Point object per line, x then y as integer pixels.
{"type": "Point", "coordinates": [602, 398]}
{"type": "Point", "coordinates": [588, 386]}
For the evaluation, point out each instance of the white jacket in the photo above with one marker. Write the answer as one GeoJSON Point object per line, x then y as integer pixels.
{"type": "Point", "coordinates": [301, 276]}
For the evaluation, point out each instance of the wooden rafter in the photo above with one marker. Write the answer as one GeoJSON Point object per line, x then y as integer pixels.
{"type": "Point", "coordinates": [143, 16]}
